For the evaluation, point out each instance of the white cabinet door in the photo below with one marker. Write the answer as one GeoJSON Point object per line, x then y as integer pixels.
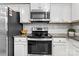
{"type": "Point", "coordinates": [73, 51]}
{"type": "Point", "coordinates": [76, 52]}
{"type": "Point", "coordinates": [60, 12]}
{"type": "Point", "coordinates": [15, 7]}
{"type": "Point", "coordinates": [60, 40]}
{"type": "Point", "coordinates": [43, 6]}
{"type": "Point", "coordinates": [20, 46]}
{"type": "Point", "coordinates": [59, 49]}
{"type": "Point", "coordinates": [73, 47]}
{"type": "Point", "coordinates": [24, 10]}
{"type": "Point", "coordinates": [25, 13]}
{"type": "Point", "coordinates": [19, 50]}
{"type": "Point", "coordinates": [75, 11]}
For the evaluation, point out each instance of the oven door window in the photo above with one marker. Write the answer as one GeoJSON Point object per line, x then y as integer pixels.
{"type": "Point", "coordinates": [40, 47]}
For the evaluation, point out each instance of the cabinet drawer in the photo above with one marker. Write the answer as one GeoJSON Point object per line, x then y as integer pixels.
{"type": "Point", "coordinates": [60, 44]}
{"type": "Point", "coordinates": [20, 39]}
{"type": "Point", "coordinates": [60, 40]}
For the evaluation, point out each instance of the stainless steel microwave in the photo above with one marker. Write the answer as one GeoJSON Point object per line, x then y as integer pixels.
{"type": "Point", "coordinates": [40, 15]}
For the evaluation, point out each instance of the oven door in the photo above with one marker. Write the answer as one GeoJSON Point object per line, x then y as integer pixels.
{"type": "Point", "coordinates": [40, 47]}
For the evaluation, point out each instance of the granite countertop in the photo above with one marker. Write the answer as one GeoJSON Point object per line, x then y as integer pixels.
{"type": "Point", "coordinates": [63, 35]}
{"type": "Point", "coordinates": [20, 36]}
{"type": "Point", "coordinates": [55, 35]}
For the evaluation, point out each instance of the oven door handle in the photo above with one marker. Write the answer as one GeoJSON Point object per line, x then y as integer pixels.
{"type": "Point", "coordinates": [32, 44]}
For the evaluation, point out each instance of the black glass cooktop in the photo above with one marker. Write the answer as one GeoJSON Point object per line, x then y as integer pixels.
{"type": "Point", "coordinates": [42, 36]}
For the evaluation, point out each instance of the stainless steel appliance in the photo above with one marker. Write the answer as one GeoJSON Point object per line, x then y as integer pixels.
{"type": "Point", "coordinates": [40, 42]}
{"type": "Point", "coordinates": [39, 15]}
{"type": "Point", "coordinates": [9, 27]}
{"type": "Point", "coordinates": [39, 32]}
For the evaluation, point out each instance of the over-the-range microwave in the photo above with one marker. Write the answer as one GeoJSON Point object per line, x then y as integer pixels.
{"type": "Point", "coordinates": [40, 15]}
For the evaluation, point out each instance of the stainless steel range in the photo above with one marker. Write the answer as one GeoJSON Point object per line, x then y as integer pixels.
{"type": "Point", "coordinates": [40, 42]}
{"type": "Point", "coordinates": [39, 32]}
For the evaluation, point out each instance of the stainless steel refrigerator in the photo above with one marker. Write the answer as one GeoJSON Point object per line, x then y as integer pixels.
{"type": "Point", "coordinates": [9, 27]}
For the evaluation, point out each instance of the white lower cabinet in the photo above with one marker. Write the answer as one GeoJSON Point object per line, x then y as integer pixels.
{"type": "Point", "coordinates": [73, 52]}
{"type": "Point", "coordinates": [65, 47]}
{"type": "Point", "coordinates": [19, 50]}
{"type": "Point", "coordinates": [73, 47]}
{"type": "Point", "coordinates": [20, 46]}
{"type": "Point", "coordinates": [76, 52]}
{"type": "Point", "coordinates": [60, 47]}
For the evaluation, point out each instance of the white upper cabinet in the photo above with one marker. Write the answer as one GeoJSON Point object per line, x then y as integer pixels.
{"type": "Point", "coordinates": [19, 50]}
{"type": "Point", "coordinates": [20, 46]}
{"type": "Point", "coordinates": [25, 13]}
{"type": "Point", "coordinates": [60, 12]}
{"type": "Point", "coordinates": [24, 10]}
{"type": "Point", "coordinates": [43, 6]}
{"type": "Point", "coordinates": [75, 11]}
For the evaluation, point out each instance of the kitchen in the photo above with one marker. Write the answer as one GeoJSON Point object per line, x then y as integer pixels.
{"type": "Point", "coordinates": [41, 29]}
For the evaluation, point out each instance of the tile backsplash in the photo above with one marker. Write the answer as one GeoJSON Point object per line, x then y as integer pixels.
{"type": "Point", "coordinates": [52, 28]}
